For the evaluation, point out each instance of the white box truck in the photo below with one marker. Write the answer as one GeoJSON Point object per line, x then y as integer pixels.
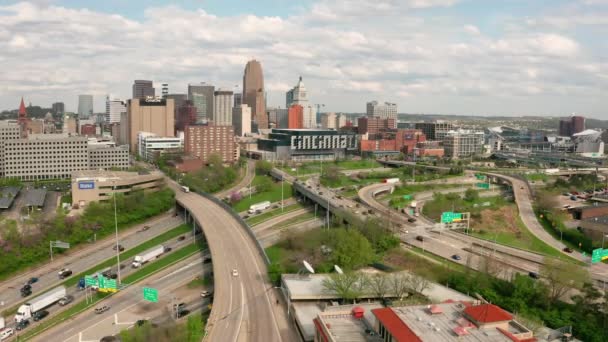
{"type": "Point", "coordinates": [185, 189]}
{"type": "Point", "coordinates": [391, 180]}
{"type": "Point", "coordinates": [259, 206]}
{"type": "Point", "coordinates": [148, 255]}
{"type": "Point", "coordinates": [27, 310]}
{"type": "Point", "coordinates": [2, 325]}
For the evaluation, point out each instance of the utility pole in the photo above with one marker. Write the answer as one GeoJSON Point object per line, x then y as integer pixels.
{"type": "Point", "coordinates": [116, 231]}
{"type": "Point", "coordinates": [282, 181]}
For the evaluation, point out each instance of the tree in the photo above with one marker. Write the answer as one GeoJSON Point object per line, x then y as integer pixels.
{"type": "Point", "coordinates": [562, 276]}
{"type": "Point", "coordinates": [263, 167]}
{"type": "Point", "coordinates": [347, 286]}
{"type": "Point", "coordinates": [351, 249]}
{"type": "Point", "coordinates": [332, 173]}
{"type": "Point", "coordinates": [235, 197]}
{"type": "Point", "coordinates": [264, 185]}
{"type": "Point", "coordinates": [379, 285]}
{"type": "Point", "coordinates": [419, 284]}
{"type": "Point", "coordinates": [400, 284]}
{"type": "Point", "coordinates": [471, 195]}
{"type": "Point", "coordinates": [546, 201]}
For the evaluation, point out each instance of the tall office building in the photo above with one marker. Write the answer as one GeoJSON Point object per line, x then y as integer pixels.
{"type": "Point", "coordinates": [299, 96]}
{"type": "Point", "coordinates": [253, 93]}
{"type": "Point", "coordinates": [384, 111]}
{"type": "Point", "coordinates": [178, 99]}
{"type": "Point", "coordinates": [241, 120]}
{"type": "Point", "coordinates": [329, 120]}
{"type": "Point", "coordinates": [154, 115]}
{"type": "Point", "coordinates": [572, 125]}
{"type": "Point", "coordinates": [143, 89]}
{"type": "Point", "coordinates": [341, 121]}
{"type": "Point", "coordinates": [435, 130]}
{"type": "Point", "coordinates": [295, 117]}
{"type": "Point", "coordinates": [238, 99]}
{"type": "Point", "coordinates": [85, 106]}
{"type": "Point", "coordinates": [463, 143]}
{"type": "Point", "coordinates": [222, 108]}
{"type": "Point", "coordinates": [58, 108]}
{"type": "Point", "coordinates": [202, 96]}
{"type": "Point", "coordinates": [114, 107]}
{"type": "Point", "coordinates": [165, 90]}
{"type": "Point", "coordinates": [186, 115]}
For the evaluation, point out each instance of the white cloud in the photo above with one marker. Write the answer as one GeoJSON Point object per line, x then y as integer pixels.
{"type": "Point", "coordinates": [348, 51]}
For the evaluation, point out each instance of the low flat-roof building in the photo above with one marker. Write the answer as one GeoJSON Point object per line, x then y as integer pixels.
{"type": "Point", "coordinates": [308, 144]}
{"type": "Point", "coordinates": [93, 186]}
{"type": "Point", "coordinates": [34, 198]}
{"type": "Point", "coordinates": [7, 196]}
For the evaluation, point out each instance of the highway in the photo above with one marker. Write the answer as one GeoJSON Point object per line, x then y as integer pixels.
{"type": "Point", "coordinates": [243, 183]}
{"type": "Point", "coordinates": [243, 306]}
{"type": "Point", "coordinates": [82, 259]}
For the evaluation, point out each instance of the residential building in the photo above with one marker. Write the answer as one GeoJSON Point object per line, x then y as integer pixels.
{"type": "Point", "coordinates": [85, 106]}
{"type": "Point", "coordinates": [88, 130]}
{"type": "Point", "coordinates": [306, 144]}
{"type": "Point", "coordinates": [9, 130]}
{"type": "Point", "coordinates": [202, 141]}
{"type": "Point", "coordinates": [154, 115]}
{"type": "Point", "coordinates": [295, 117]}
{"type": "Point", "coordinates": [435, 130]}
{"type": "Point", "coordinates": [70, 124]}
{"type": "Point", "coordinates": [572, 125]}
{"type": "Point", "coordinates": [384, 111]}
{"type": "Point", "coordinates": [58, 108]}
{"type": "Point", "coordinates": [143, 89]}
{"type": "Point", "coordinates": [373, 125]}
{"type": "Point", "coordinates": [222, 108]}
{"type": "Point", "coordinates": [151, 146]}
{"type": "Point", "coordinates": [186, 115]}
{"type": "Point", "coordinates": [202, 96]}
{"type": "Point", "coordinates": [97, 186]}
{"type": "Point", "coordinates": [463, 143]}
{"type": "Point", "coordinates": [329, 121]}
{"type": "Point", "coordinates": [241, 120]}
{"type": "Point", "coordinates": [254, 93]}
{"type": "Point", "coordinates": [395, 141]}
{"type": "Point", "coordinates": [114, 108]}
{"type": "Point", "coordinates": [298, 95]}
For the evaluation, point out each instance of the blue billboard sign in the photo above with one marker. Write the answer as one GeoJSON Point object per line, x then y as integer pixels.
{"type": "Point", "coordinates": [86, 185]}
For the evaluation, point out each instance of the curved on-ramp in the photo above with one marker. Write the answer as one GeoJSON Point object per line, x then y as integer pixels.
{"type": "Point", "coordinates": [242, 308]}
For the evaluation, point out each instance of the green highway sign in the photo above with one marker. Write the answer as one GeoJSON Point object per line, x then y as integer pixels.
{"type": "Point", "coordinates": [407, 197]}
{"type": "Point", "coordinates": [151, 294]}
{"type": "Point", "coordinates": [449, 217]}
{"type": "Point", "coordinates": [598, 255]}
{"type": "Point", "coordinates": [480, 176]}
{"type": "Point", "coordinates": [483, 185]}
{"type": "Point", "coordinates": [90, 281]}
{"type": "Point", "coordinates": [111, 284]}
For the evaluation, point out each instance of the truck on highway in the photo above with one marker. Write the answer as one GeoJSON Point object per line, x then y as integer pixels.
{"type": "Point", "coordinates": [27, 310]}
{"type": "Point", "coordinates": [2, 325]}
{"type": "Point", "coordinates": [185, 189]}
{"type": "Point", "coordinates": [391, 180]}
{"type": "Point", "coordinates": [259, 206]}
{"type": "Point", "coordinates": [148, 255]}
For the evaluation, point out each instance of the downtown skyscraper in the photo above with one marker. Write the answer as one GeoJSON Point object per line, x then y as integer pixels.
{"type": "Point", "coordinates": [254, 94]}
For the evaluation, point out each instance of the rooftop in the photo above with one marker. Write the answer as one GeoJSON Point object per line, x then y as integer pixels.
{"type": "Point", "coordinates": [35, 197]}
{"type": "Point", "coordinates": [341, 325]}
{"type": "Point", "coordinates": [7, 196]}
{"type": "Point", "coordinates": [103, 176]}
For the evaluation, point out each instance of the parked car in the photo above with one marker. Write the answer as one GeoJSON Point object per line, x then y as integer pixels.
{"type": "Point", "coordinates": [181, 238]}
{"type": "Point", "coordinates": [66, 300]}
{"type": "Point", "coordinates": [23, 324]}
{"type": "Point", "coordinates": [568, 250]}
{"type": "Point", "coordinates": [32, 280]}
{"type": "Point", "coordinates": [456, 257]}
{"type": "Point", "coordinates": [38, 315]}
{"type": "Point", "coordinates": [102, 309]}
{"type": "Point", "coordinates": [64, 273]}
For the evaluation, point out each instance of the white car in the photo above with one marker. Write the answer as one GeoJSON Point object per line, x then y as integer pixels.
{"type": "Point", "coordinates": [205, 294]}
{"type": "Point", "coordinates": [235, 273]}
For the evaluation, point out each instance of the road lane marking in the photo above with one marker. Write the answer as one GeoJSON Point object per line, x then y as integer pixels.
{"type": "Point", "coordinates": [238, 331]}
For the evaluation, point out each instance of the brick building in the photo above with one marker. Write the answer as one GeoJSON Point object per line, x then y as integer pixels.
{"type": "Point", "coordinates": [373, 125]}
{"type": "Point", "coordinates": [295, 117]}
{"type": "Point", "coordinates": [201, 141]}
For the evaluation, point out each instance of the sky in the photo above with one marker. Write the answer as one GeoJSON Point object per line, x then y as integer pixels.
{"type": "Point", "coordinates": [473, 57]}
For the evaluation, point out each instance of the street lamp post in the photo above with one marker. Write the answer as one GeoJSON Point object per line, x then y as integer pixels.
{"type": "Point", "coordinates": [116, 234]}
{"type": "Point", "coordinates": [282, 200]}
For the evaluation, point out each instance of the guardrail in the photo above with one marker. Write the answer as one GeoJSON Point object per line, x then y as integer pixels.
{"type": "Point", "coordinates": [239, 220]}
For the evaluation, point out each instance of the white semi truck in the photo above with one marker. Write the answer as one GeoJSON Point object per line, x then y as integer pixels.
{"type": "Point", "coordinates": [147, 256]}
{"type": "Point", "coordinates": [27, 310]}
{"type": "Point", "coordinates": [259, 206]}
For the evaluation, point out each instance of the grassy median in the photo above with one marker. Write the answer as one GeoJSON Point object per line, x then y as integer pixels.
{"type": "Point", "coordinates": [273, 213]}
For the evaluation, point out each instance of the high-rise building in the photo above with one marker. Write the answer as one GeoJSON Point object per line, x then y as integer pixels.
{"type": "Point", "coordinates": [202, 96]}
{"type": "Point", "coordinates": [341, 121]}
{"type": "Point", "coordinates": [70, 125]}
{"type": "Point", "coordinates": [462, 143]}
{"type": "Point", "coordinates": [572, 125]}
{"type": "Point", "coordinates": [238, 99]}
{"type": "Point", "coordinates": [9, 130]}
{"type": "Point", "coordinates": [143, 89]}
{"type": "Point", "coordinates": [385, 111]}
{"type": "Point", "coordinates": [299, 96]}
{"type": "Point", "coordinates": [241, 120]}
{"type": "Point", "coordinates": [295, 117]}
{"type": "Point", "coordinates": [178, 99]}
{"type": "Point", "coordinates": [329, 120]}
{"type": "Point", "coordinates": [186, 115]}
{"type": "Point", "coordinates": [222, 108]}
{"type": "Point", "coordinates": [435, 130]}
{"type": "Point", "coordinates": [154, 115]}
{"type": "Point", "coordinates": [253, 93]}
{"type": "Point", "coordinates": [114, 107]}
{"type": "Point", "coordinates": [374, 124]}
{"type": "Point", "coordinates": [22, 118]}
{"type": "Point", "coordinates": [58, 108]}
{"type": "Point", "coordinates": [165, 90]}
{"type": "Point", "coordinates": [85, 106]}
{"type": "Point", "coordinates": [202, 141]}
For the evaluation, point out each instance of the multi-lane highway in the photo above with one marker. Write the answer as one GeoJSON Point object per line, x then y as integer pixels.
{"type": "Point", "coordinates": [243, 183]}
{"type": "Point", "coordinates": [82, 259]}
{"type": "Point", "coordinates": [244, 301]}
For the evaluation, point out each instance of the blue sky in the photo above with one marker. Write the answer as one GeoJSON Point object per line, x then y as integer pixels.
{"type": "Point", "coordinates": [490, 57]}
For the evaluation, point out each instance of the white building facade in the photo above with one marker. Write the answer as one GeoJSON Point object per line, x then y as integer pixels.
{"type": "Point", "coordinates": [241, 120]}
{"type": "Point", "coordinates": [222, 110]}
{"type": "Point", "coordinates": [384, 111]}
{"type": "Point", "coordinates": [114, 108]}
{"type": "Point", "coordinates": [150, 145]}
{"type": "Point", "coordinates": [299, 96]}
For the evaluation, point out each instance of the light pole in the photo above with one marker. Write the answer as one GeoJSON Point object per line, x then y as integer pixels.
{"type": "Point", "coordinates": [282, 181]}
{"type": "Point", "coordinates": [116, 233]}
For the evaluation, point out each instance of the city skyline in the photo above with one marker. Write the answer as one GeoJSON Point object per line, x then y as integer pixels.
{"type": "Point", "coordinates": [518, 59]}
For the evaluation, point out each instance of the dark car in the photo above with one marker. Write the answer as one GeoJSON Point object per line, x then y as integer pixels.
{"type": "Point", "coordinates": [102, 309]}
{"type": "Point", "coordinates": [568, 250]}
{"type": "Point", "coordinates": [533, 275]}
{"type": "Point", "coordinates": [420, 238]}
{"type": "Point", "coordinates": [411, 220]}
{"type": "Point", "coordinates": [182, 313]}
{"type": "Point", "coordinates": [206, 260]}
{"type": "Point", "coordinates": [32, 280]}
{"type": "Point", "coordinates": [145, 228]}
{"type": "Point", "coordinates": [181, 238]}
{"type": "Point", "coordinates": [25, 292]}
{"type": "Point", "coordinates": [168, 249]}
{"type": "Point", "coordinates": [141, 322]}
{"type": "Point", "coordinates": [119, 247]}
{"type": "Point", "coordinates": [66, 300]}
{"type": "Point", "coordinates": [23, 324]}
{"type": "Point", "coordinates": [40, 315]}
{"type": "Point", "coordinates": [64, 273]}
{"type": "Point", "coordinates": [456, 257]}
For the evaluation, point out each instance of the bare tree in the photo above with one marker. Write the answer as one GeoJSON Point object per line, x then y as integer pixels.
{"type": "Point", "coordinates": [562, 277]}
{"type": "Point", "coordinates": [419, 284]}
{"type": "Point", "coordinates": [400, 284]}
{"type": "Point", "coordinates": [347, 286]}
{"type": "Point", "coordinates": [379, 285]}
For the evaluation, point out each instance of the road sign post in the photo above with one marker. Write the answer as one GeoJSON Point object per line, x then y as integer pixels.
{"type": "Point", "coordinates": [483, 185]}
{"type": "Point", "coordinates": [58, 244]}
{"type": "Point", "coordinates": [150, 294]}
{"type": "Point", "coordinates": [598, 255]}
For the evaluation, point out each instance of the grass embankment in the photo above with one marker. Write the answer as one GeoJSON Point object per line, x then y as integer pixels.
{"type": "Point", "coordinates": [298, 219]}
{"type": "Point", "coordinates": [315, 167]}
{"type": "Point", "coordinates": [358, 179]}
{"type": "Point", "coordinates": [273, 194]}
{"type": "Point", "coordinates": [252, 221]}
